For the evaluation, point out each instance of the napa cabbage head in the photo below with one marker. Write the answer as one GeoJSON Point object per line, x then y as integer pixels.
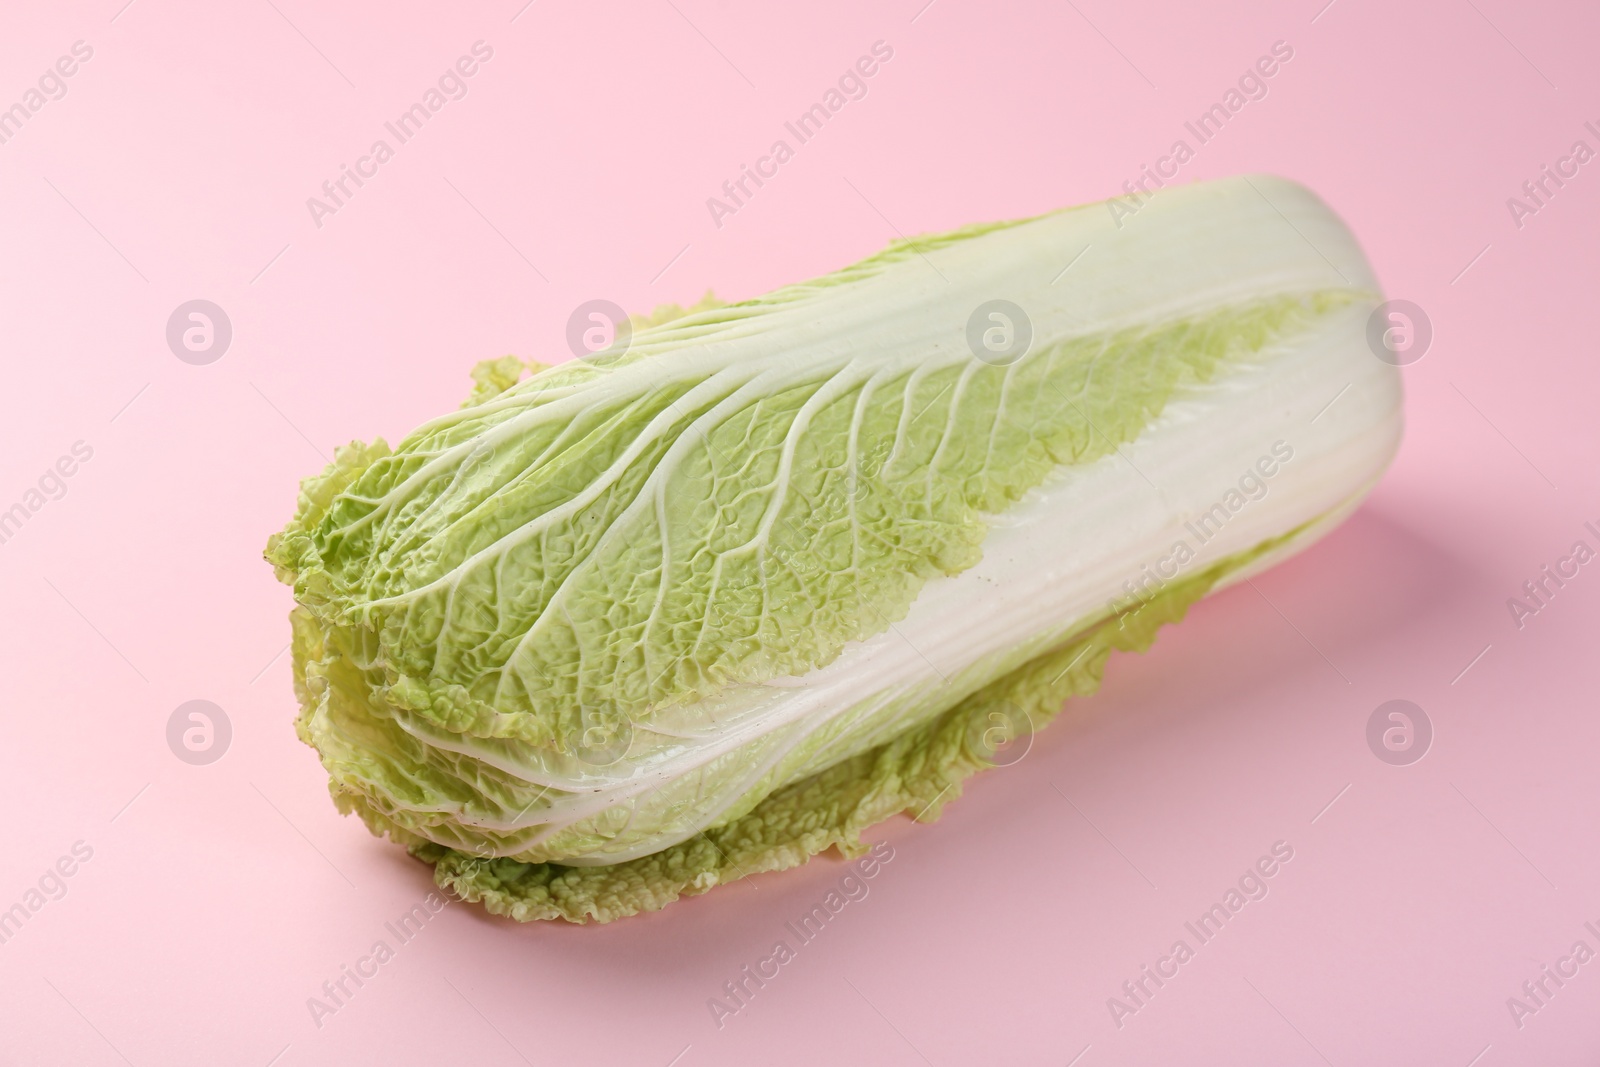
{"type": "Point", "coordinates": [626, 627]}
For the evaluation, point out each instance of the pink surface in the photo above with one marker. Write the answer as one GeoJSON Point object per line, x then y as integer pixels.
{"type": "Point", "coordinates": [219, 898]}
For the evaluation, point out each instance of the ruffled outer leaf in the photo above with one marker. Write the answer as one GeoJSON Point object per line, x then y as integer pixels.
{"type": "Point", "coordinates": [916, 774]}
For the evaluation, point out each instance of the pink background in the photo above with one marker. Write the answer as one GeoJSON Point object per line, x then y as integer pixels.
{"type": "Point", "coordinates": [177, 166]}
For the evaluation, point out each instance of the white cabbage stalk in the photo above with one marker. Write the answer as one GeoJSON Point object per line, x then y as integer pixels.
{"type": "Point", "coordinates": [767, 576]}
